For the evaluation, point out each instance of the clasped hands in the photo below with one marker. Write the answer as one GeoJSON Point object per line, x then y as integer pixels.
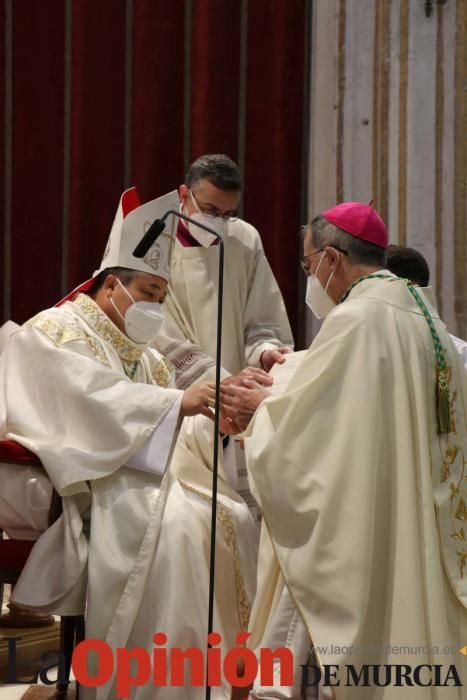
{"type": "Point", "coordinates": [242, 394]}
{"type": "Point", "coordinates": [240, 397]}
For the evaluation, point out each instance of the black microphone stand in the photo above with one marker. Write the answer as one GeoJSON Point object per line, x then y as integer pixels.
{"type": "Point", "coordinates": [140, 251]}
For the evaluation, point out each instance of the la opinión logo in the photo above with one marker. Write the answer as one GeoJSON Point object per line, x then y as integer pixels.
{"type": "Point", "coordinates": [240, 667]}
{"type": "Point", "coordinates": [166, 667]}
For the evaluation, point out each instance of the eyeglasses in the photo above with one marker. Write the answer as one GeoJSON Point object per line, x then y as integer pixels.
{"type": "Point", "coordinates": [304, 260]}
{"type": "Point", "coordinates": [210, 210]}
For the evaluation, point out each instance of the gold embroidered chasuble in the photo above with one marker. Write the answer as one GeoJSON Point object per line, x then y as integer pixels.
{"type": "Point", "coordinates": [85, 398]}
{"type": "Point", "coordinates": [363, 501]}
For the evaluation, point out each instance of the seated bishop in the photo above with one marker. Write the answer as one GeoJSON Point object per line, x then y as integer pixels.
{"type": "Point", "coordinates": [130, 455]}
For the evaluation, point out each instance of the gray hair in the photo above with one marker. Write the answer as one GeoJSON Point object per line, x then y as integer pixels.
{"type": "Point", "coordinates": [359, 252]}
{"type": "Point", "coordinates": [218, 169]}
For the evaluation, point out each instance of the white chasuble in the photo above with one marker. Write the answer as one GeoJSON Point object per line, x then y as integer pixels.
{"type": "Point", "coordinates": [82, 397]}
{"type": "Point", "coordinates": [363, 501]}
{"type": "Point", "coordinates": [131, 545]}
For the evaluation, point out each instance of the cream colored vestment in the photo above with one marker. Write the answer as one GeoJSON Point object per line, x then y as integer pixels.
{"type": "Point", "coordinates": [255, 318]}
{"type": "Point", "coordinates": [363, 502]}
{"type": "Point", "coordinates": [86, 399]}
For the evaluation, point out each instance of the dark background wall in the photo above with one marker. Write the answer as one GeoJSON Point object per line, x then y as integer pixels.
{"type": "Point", "coordinates": [98, 95]}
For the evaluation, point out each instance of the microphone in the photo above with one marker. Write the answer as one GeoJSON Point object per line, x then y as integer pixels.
{"type": "Point", "coordinates": [158, 225]}
{"type": "Point", "coordinates": [149, 238]}
{"type": "Point", "coordinates": [140, 251]}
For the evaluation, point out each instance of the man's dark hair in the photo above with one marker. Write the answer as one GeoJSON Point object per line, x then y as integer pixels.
{"type": "Point", "coordinates": [358, 252]}
{"type": "Point", "coordinates": [408, 263]}
{"type": "Point", "coordinates": [216, 168]}
{"type": "Point", "coordinates": [123, 273]}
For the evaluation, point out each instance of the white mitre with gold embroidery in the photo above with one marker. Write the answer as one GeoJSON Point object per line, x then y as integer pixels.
{"type": "Point", "coordinates": [131, 222]}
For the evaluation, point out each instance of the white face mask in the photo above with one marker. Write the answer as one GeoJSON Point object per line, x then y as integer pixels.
{"type": "Point", "coordinates": [203, 237]}
{"type": "Point", "coordinates": [317, 298]}
{"type": "Point", "coordinates": [142, 319]}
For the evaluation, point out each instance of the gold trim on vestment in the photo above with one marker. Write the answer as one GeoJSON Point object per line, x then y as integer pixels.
{"type": "Point", "coordinates": [130, 353]}
{"type": "Point", "coordinates": [126, 349]}
{"type": "Point", "coordinates": [451, 500]}
{"type": "Point", "coordinates": [162, 374]}
{"type": "Point", "coordinates": [228, 527]}
{"type": "Point", "coordinates": [62, 333]}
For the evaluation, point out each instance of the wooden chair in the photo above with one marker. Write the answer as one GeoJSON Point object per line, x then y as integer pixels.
{"type": "Point", "coordinates": [14, 554]}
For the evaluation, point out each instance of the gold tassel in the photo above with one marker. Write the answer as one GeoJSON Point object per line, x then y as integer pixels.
{"type": "Point", "coordinates": [444, 411]}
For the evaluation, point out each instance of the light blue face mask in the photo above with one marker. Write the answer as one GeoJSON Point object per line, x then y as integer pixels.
{"type": "Point", "coordinates": [142, 319]}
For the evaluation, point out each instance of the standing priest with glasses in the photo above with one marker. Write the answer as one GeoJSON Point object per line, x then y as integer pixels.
{"type": "Point", "coordinates": [256, 330]}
